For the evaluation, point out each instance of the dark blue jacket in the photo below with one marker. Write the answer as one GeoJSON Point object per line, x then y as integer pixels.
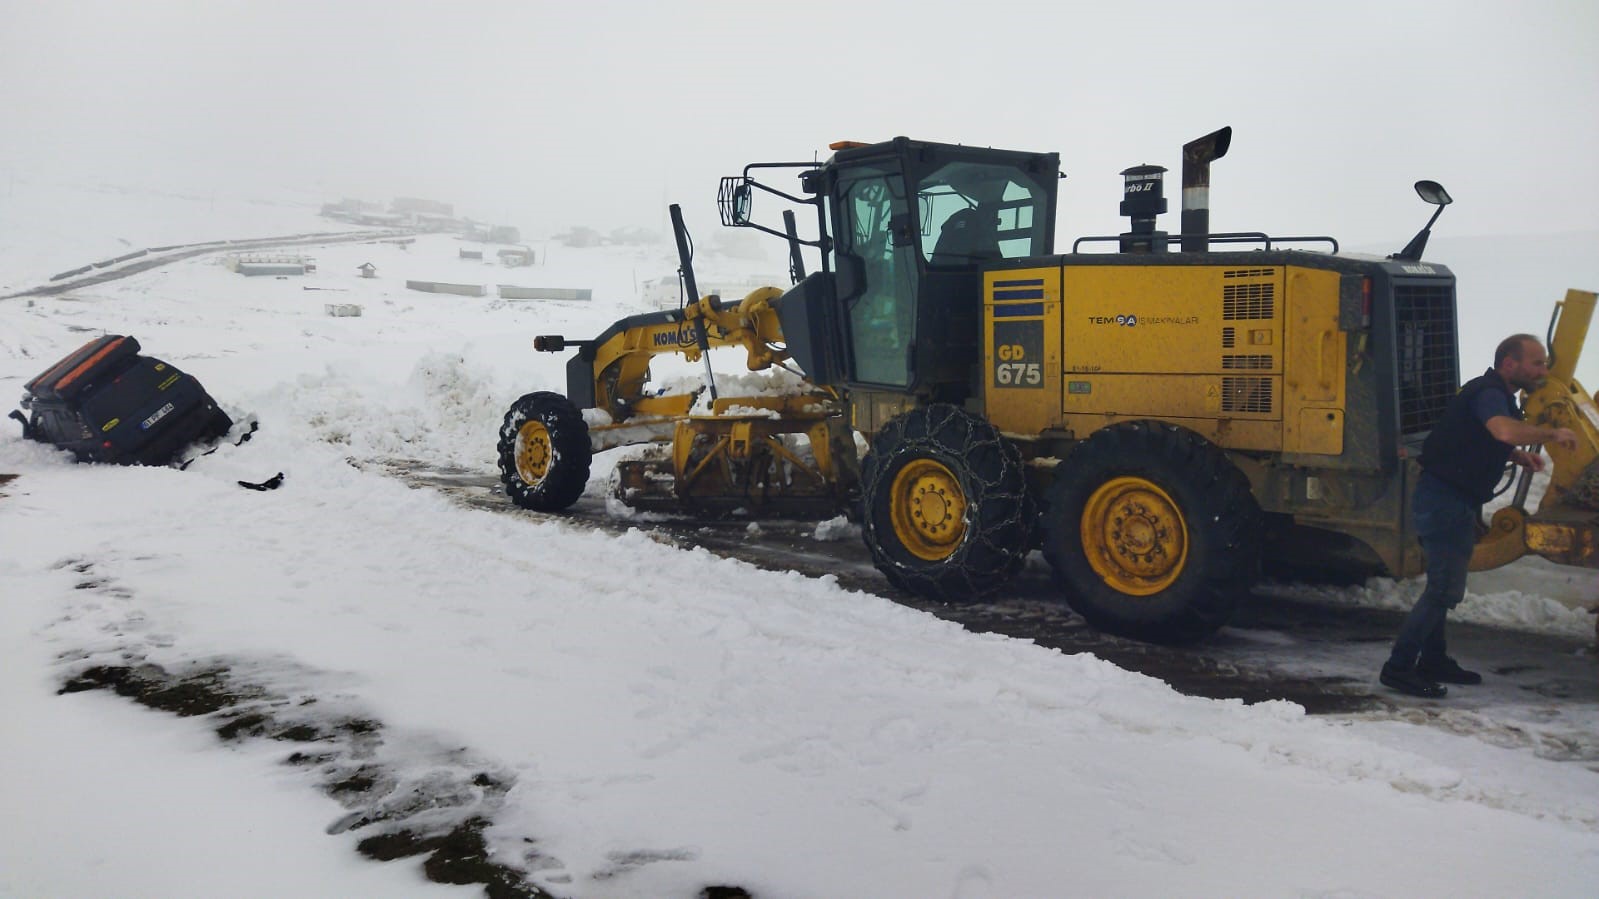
{"type": "Point", "coordinates": [1460, 451]}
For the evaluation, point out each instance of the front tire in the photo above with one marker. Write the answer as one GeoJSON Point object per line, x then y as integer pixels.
{"type": "Point", "coordinates": [1152, 532]}
{"type": "Point", "coordinates": [544, 452]}
{"type": "Point", "coordinates": [945, 511]}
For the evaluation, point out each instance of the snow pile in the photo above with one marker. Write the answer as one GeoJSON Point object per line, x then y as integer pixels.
{"type": "Point", "coordinates": [1513, 608]}
{"type": "Point", "coordinates": [836, 528]}
{"type": "Point", "coordinates": [438, 416]}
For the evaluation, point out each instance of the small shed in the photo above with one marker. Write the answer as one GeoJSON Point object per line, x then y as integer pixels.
{"type": "Point", "coordinates": [368, 270]}
{"type": "Point", "coordinates": [516, 257]}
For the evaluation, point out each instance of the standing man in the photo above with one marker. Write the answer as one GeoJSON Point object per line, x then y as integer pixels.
{"type": "Point", "coordinates": [1461, 463]}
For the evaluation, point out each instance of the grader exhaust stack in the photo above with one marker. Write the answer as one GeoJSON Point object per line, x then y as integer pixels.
{"type": "Point", "coordinates": [1197, 157]}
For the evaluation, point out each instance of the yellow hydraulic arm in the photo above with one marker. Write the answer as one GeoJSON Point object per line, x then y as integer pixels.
{"type": "Point", "coordinates": [621, 356]}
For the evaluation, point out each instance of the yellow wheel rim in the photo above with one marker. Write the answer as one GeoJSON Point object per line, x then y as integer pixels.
{"type": "Point", "coordinates": [533, 452]}
{"type": "Point", "coordinates": [1135, 536]}
{"type": "Point", "coordinates": [928, 510]}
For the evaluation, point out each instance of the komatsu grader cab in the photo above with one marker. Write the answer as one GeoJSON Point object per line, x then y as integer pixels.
{"type": "Point", "coordinates": [1159, 414]}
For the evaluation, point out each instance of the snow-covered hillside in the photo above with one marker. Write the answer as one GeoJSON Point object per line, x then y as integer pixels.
{"type": "Point", "coordinates": [607, 715]}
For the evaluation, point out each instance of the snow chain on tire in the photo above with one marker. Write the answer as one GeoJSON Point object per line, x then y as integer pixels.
{"type": "Point", "coordinates": [945, 509]}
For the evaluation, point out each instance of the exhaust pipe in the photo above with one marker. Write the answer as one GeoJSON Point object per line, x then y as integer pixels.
{"type": "Point", "coordinates": [1197, 157]}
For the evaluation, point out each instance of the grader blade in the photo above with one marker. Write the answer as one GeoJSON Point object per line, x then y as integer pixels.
{"type": "Point", "coordinates": [792, 465]}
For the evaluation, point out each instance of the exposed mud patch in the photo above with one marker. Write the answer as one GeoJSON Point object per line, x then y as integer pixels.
{"type": "Point", "coordinates": [406, 794]}
{"type": "Point", "coordinates": [441, 815]}
{"type": "Point", "coordinates": [199, 693]}
{"type": "Point", "coordinates": [459, 856]}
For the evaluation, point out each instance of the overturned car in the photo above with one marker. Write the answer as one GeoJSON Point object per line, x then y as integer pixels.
{"type": "Point", "coordinates": [105, 402]}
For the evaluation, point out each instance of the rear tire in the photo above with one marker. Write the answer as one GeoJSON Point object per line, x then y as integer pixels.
{"type": "Point", "coordinates": [945, 511]}
{"type": "Point", "coordinates": [1152, 532]}
{"type": "Point", "coordinates": [544, 452]}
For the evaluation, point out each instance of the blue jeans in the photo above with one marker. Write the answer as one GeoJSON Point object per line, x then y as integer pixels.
{"type": "Point", "coordinates": [1446, 522]}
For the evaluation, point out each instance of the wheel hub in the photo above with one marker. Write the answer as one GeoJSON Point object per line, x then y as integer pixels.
{"type": "Point", "coordinates": [1135, 536]}
{"type": "Point", "coordinates": [533, 452]}
{"type": "Point", "coordinates": [929, 510]}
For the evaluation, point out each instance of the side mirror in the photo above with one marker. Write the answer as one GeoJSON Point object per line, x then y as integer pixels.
{"type": "Point", "coordinates": [743, 197]}
{"type": "Point", "coordinates": [733, 199]}
{"type": "Point", "coordinates": [1433, 192]}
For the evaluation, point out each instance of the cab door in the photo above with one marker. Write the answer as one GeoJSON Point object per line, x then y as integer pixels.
{"type": "Point", "coordinates": [876, 238]}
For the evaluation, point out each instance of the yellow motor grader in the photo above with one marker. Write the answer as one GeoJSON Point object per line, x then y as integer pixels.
{"type": "Point", "coordinates": [1163, 419]}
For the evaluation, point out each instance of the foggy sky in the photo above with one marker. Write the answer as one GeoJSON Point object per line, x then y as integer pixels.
{"type": "Point", "coordinates": [547, 115]}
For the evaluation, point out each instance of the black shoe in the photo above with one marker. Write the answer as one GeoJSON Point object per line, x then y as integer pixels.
{"type": "Point", "coordinates": [1411, 682]}
{"type": "Point", "coordinates": [1447, 671]}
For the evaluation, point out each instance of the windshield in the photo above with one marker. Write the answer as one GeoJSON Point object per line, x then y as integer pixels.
{"type": "Point", "coordinates": [972, 213]}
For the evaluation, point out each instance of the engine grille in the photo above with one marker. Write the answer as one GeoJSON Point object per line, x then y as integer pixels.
{"type": "Point", "coordinates": [1245, 301]}
{"type": "Point", "coordinates": [1253, 361]}
{"type": "Point", "coordinates": [1424, 321]}
{"type": "Point", "coordinates": [1240, 394]}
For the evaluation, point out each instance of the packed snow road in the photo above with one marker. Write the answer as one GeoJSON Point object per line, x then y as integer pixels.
{"type": "Point", "coordinates": [1541, 692]}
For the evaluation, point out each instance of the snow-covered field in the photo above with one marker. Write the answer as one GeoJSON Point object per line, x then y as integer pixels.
{"type": "Point", "coordinates": [619, 718]}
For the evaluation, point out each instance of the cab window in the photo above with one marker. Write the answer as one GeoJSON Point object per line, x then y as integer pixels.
{"type": "Point", "coordinates": [882, 317]}
{"type": "Point", "coordinates": [972, 213]}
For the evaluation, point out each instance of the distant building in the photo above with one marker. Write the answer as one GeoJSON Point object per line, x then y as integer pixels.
{"type": "Point", "coordinates": [417, 205]}
{"type": "Point", "coordinates": [436, 224]}
{"type": "Point", "coordinates": [368, 270]}
{"type": "Point", "coordinates": [483, 233]}
{"type": "Point", "coordinates": [380, 219]}
{"type": "Point", "coordinates": [348, 209]}
{"type": "Point", "coordinates": [257, 264]}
